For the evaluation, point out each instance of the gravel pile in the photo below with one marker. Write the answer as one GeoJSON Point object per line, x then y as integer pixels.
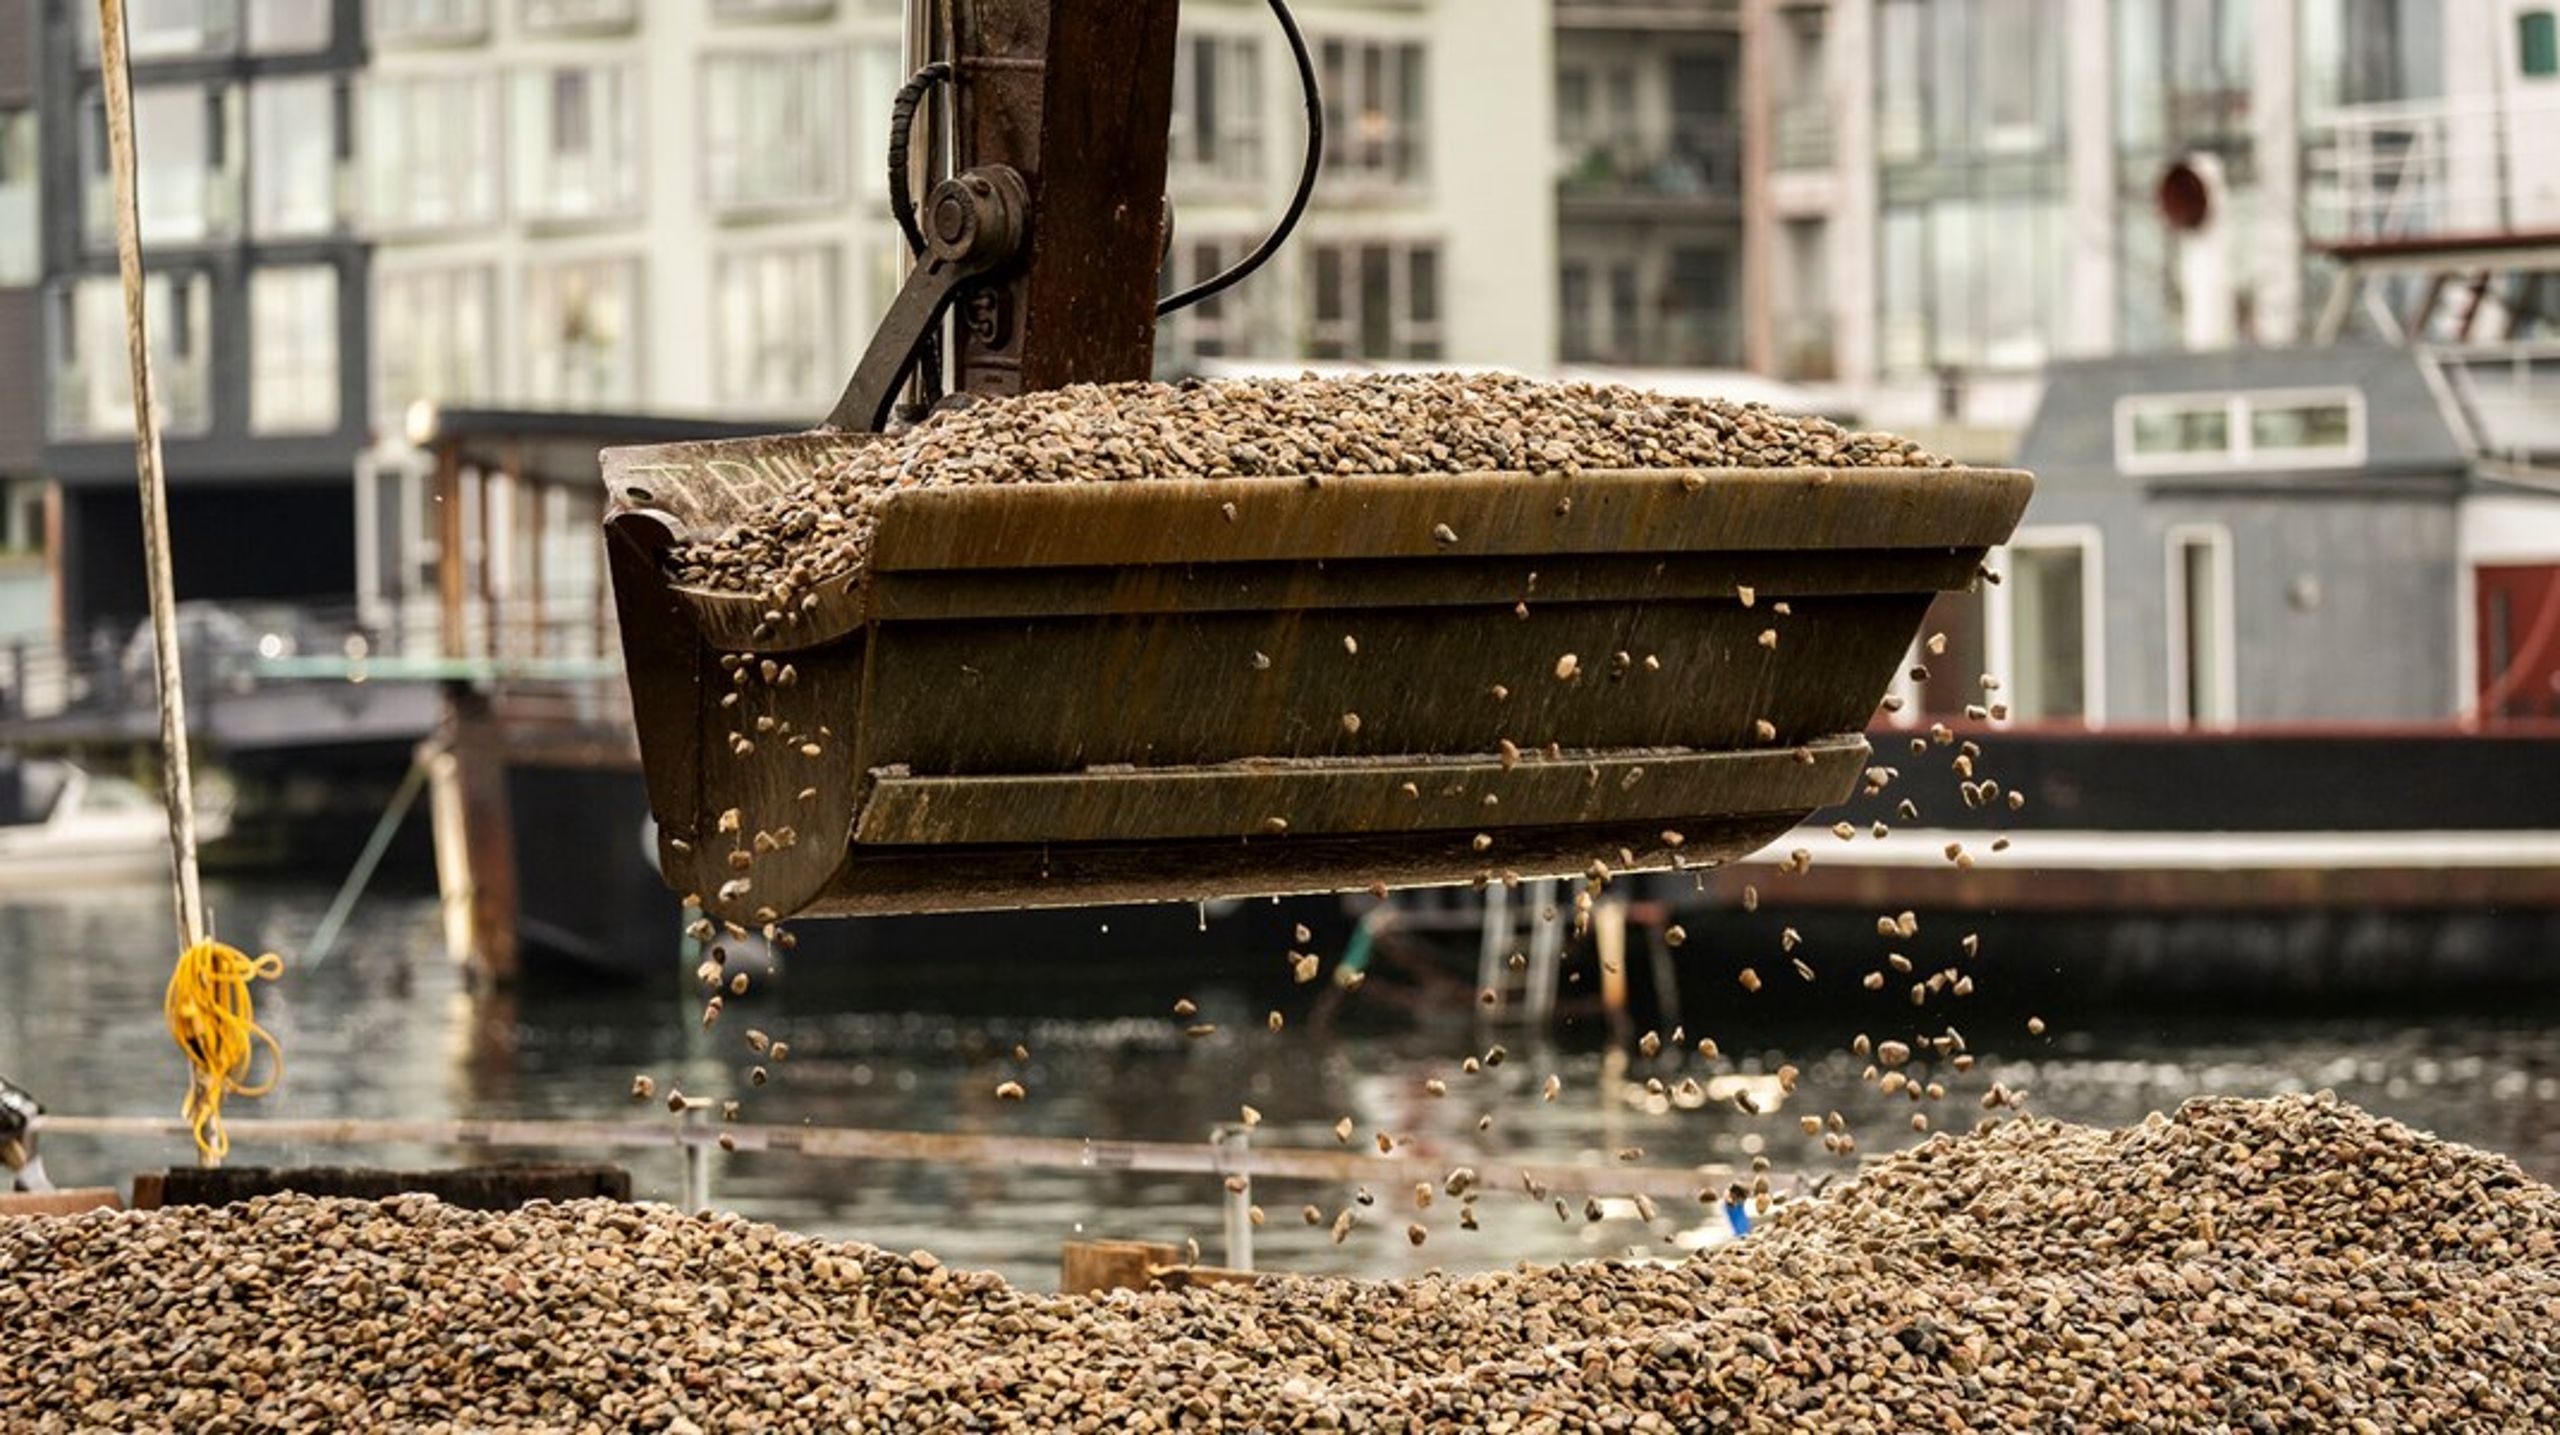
{"type": "Point", "coordinates": [2281, 1265]}
{"type": "Point", "coordinates": [1268, 428]}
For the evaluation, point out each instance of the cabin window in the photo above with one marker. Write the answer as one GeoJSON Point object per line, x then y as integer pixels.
{"type": "Point", "coordinates": [2538, 43]}
{"type": "Point", "coordinates": [2220, 433]}
{"type": "Point", "coordinates": [2203, 667]}
{"type": "Point", "coordinates": [2052, 641]}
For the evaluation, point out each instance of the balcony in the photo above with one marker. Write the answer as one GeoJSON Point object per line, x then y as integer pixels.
{"type": "Point", "coordinates": [1666, 339]}
{"type": "Point", "coordinates": [1804, 136]}
{"type": "Point", "coordinates": [1682, 15]}
{"type": "Point", "coordinates": [1804, 348]}
{"type": "Point", "coordinates": [2433, 169]}
{"type": "Point", "coordinates": [1698, 172]}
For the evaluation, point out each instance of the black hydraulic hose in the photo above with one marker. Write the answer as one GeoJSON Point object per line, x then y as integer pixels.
{"type": "Point", "coordinates": [902, 205]}
{"type": "Point", "coordinates": [1313, 162]}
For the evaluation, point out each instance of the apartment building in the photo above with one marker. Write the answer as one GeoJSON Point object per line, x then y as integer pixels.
{"type": "Point", "coordinates": [1944, 195]}
{"type": "Point", "coordinates": [26, 589]}
{"type": "Point", "coordinates": [1430, 238]}
{"type": "Point", "coordinates": [1648, 196]}
{"type": "Point", "coordinates": [255, 297]}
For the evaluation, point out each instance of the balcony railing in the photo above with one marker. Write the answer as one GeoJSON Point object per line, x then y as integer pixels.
{"type": "Point", "coordinates": [2434, 168]}
{"type": "Point", "coordinates": [1677, 339]}
{"type": "Point", "coordinates": [1804, 136]}
{"type": "Point", "coordinates": [1649, 14]}
{"type": "Point", "coordinates": [1701, 166]}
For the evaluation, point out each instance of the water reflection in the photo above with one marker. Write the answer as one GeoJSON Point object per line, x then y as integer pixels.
{"type": "Point", "coordinates": [384, 1029]}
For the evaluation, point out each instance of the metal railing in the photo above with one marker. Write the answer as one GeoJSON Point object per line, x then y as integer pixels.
{"type": "Point", "coordinates": [2506, 396]}
{"type": "Point", "coordinates": [2433, 167]}
{"type": "Point", "coordinates": [1804, 136]}
{"type": "Point", "coordinates": [1701, 163]}
{"type": "Point", "coordinates": [1227, 1155]}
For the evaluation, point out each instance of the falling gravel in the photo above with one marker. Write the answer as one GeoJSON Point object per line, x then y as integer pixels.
{"type": "Point", "coordinates": [2293, 1264]}
{"type": "Point", "coordinates": [1266, 428]}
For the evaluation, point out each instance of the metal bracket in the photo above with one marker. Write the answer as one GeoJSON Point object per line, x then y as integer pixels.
{"type": "Point", "coordinates": [974, 224]}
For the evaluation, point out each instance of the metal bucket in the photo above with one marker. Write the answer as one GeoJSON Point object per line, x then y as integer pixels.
{"type": "Point", "coordinates": [1068, 694]}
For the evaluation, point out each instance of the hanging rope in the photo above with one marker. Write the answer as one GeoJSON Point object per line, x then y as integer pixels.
{"type": "Point", "coordinates": [208, 1001]}
{"type": "Point", "coordinates": [214, 1021]}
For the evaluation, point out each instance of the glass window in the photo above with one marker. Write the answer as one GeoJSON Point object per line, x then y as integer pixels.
{"type": "Point", "coordinates": [579, 14]}
{"type": "Point", "coordinates": [1373, 115]}
{"type": "Point", "coordinates": [576, 131]}
{"type": "Point", "coordinates": [1970, 282]}
{"type": "Point", "coordinates": [430, 150]}
{"type": "Point", "coordinates": [2182, 73]}
{"type": "Point", "coordinates": [1224, 325]}
{"type": "Point", "coordinates": [427, 22]}
{"type": "Point", "coordinates": [2166, 429]}
{"type": "Point", "coordinates": [773, 317]}
{"type": "Point", "coordinates": [165, 29]}
{"type": "Point", "coordinates": [2358, 52]}
{"type": "Point", "coordinates": [435, 337]}
{"type": "Point", "coordinates": [774, 128]}
{"type": "Point", "coordinates": [1375, 301]}
{"type": "Point", "coordinates": [2048, 632]}
{"type": "Point", "coordinates": [286, 27]}
{"type": "Point", "coordinates": [92, 388]}
{"type": "Point", "coordinates": [21, 186]}
{"type": "Point", "coordinates": [293, 156]}
{"type": "Point", "coordinates": [293, 349]}
{"type": "Point", "coordinates": [2538, 43]}
{"type": "Point", "coordinates": [582, 334]}
{"type": "Point", "coordinates": [1217, 110]}
{"type": "Point", "coordinates": [2201, 668]}
{"type": "Point", "coordinates": [1967, 78]}
{"type": "Point", "coordinates": [2300, 426]}
{"type": "Point", "coordinates": [186, 184]}
{"type": "Point", "coordinates": [772, 9]}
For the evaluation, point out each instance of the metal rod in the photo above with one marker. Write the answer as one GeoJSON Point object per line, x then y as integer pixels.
{"type": "Point", "coordinates": [1546, 953]}
{"type": "Point", "coordinates": [697, 1163]}
{"type": "Point", "coordinates": [997, 1152]}
{"type": "Point", "coordinates": [1493, 944]}
{"type": "Point", "coordinates": [333, 921]}
{"type": "Point", "coordinates": [1239, 1201]}
{"type": "Point", "coordinates": [177, 777]}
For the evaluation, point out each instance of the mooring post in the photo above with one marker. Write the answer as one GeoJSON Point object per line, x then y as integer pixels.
{"type": "Point", "coordinates": [697, 1159]}
{"type": "Point", "coordinates": [1233, 1142]}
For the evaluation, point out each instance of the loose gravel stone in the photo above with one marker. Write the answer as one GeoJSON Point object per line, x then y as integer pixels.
{"type": "Point", "coordinates": [2293, 1264]}
{"type": "Point", "coordinates": [1265, 428]}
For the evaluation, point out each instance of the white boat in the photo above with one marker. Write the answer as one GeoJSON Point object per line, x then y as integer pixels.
{"type": "Point", "coordinates": [78, 828]}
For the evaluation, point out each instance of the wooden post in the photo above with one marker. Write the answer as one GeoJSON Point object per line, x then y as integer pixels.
{"type": "Point", "coordinates": [449, 555]}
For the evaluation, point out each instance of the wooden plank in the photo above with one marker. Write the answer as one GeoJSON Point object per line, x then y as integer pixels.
{"type": "Point", "coordinates": [1347, 795]}
{"type": "Point", "coordinates": [1091, 1267]}
{"type": "Point", "coordinates": [71, 1202]}
{"type": "Point", "coordinates": [1395, 516]}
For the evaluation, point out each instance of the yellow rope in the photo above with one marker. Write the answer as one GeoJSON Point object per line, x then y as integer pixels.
{"type": "Point", "coordinates": [214, 1021]}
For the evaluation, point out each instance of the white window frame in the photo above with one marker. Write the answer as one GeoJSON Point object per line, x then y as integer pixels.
{"type": "Point", "coordinates": [578, 17]}
{"type": "Point", "coordinates": [473, 100]}
{"type": "Point", "coordinates": [1346, 172]}
{"type": "Point", "coordinates": [1409, 333]}
{"type": "Point", "coordinates": [827, 343]}
{"type": "Point", "coordinates": [1999, 608]}
{"type": "Point", "coordinates": [269, 411]}
{"type": "Point", "coordinates": [2241, 452]}
{"type": "Point", "coordinates": [1240, 163]}
{"type": "Point", "coordinates": [2216, 540]}
{"type": "Point", "coordinates": [389, 24]}
{"type": "Point", "coordinates": [831, 92]}
{"type": "Point", "coordinates": [618, 181]}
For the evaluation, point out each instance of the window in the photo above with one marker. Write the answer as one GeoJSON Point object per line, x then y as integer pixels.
{"type": "Point", "coordinates": [2203, 666]}
{"type": "Point", "coordinates": [576, 130]}
{"type": "Point", "coordinates": [2312, 428]}
{"type": "Point", "coordinates": [1217, 110]}
{"type": "Point", "coordinates": [773, 9]}
{"type": "Point", "coordinates": [2538, 43]}
{"type": "Point", "coordinates": [293, 349]}
{"type": "Point", "coordinates": [1375, 301]}
{"type": "Point", "coordinates": [1971, 283]}
{"type": "Point", "coordinates": [1599, 312]}
{"type": "Point", "coordinates": [21, 186]}
{"type": "Point", "coordinates": [294, 149]}
{"type": "Point", "coordinates": [1963, 79]}
{"type": "Point", "coordinates": [92, 383]}
{"type": "Point", "coordinates": [165, 29]}
{"type": "Point", "coordinates": [773, 319]}
{"type": "Point", "coordinates": [582, 334]}
{"type": "Point", "coordinates": [288, 27]}
{"type": "Point", "coordinates": [2182, 74]}
{"type": "Point", "coordinates": [1225, 325]}
{"type": "Point", "coordinates": [188, 187]}
{"type": "Point", "coordinates": [435, 337]}
{"type": "Point", "coordinates": [430, 150]}
{"type": "Point", "coordinates": [587, 15]}
{"type": "Point", "coordinates": [1373, 109]}
{"type": "Point", "coordinates": [427, 22]}
{"type": "Point", "coordinates": [2360, 52]}
{"type": "Point", "coordinates": [2050, 610]}
{"type": "Point", "coordinates": [774, 128]}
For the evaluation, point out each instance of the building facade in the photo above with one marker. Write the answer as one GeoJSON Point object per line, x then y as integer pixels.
{"type": "Point", "coordinates": [255, 297]}
{"type": "Point", "coordinates": [1945, 195]}
{"type": "Point", "coordinates": [26, 588]}
{"type": "Point", "coordinates": [1649, 183]}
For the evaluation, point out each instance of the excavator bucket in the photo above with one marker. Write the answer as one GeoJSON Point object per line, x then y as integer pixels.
{"type": "Point", "coordinates": [1183, 689]}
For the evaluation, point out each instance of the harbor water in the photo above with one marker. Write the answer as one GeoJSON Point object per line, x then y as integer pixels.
{"type": "Point", "coordinates": [385, 1029]}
